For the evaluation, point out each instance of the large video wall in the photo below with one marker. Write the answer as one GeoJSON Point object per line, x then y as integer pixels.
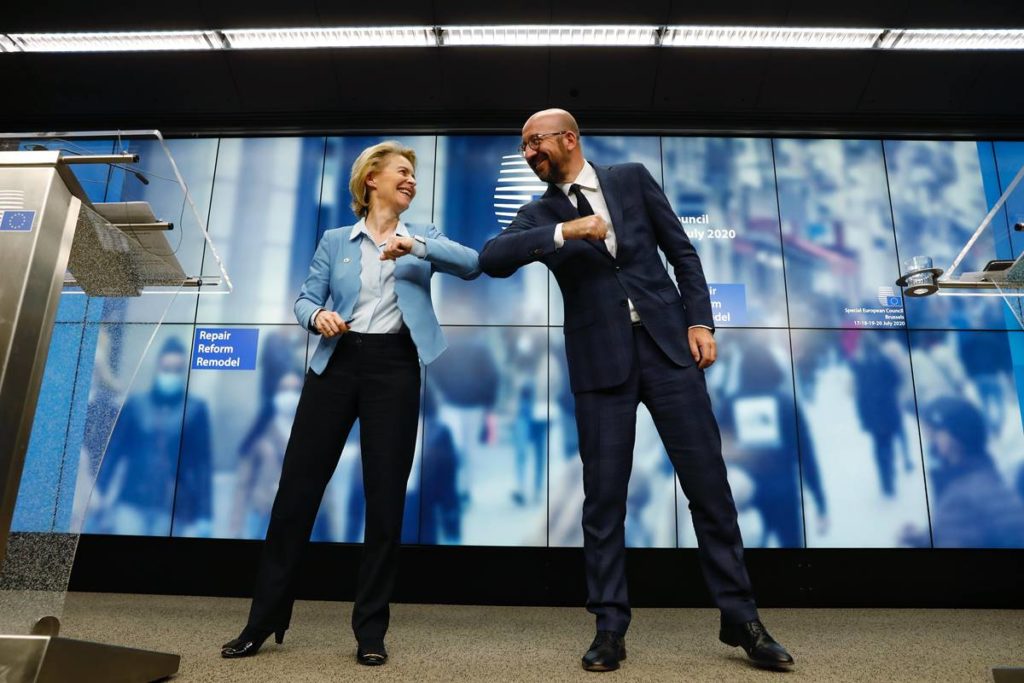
{"type": "Point", "coordinates": [851, 417]}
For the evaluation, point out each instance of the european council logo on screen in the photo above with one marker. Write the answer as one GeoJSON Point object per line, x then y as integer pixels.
{"type": "Point", "coordinates": [517, 185]}
{"type": "Point", "coordinates": [888, 297]}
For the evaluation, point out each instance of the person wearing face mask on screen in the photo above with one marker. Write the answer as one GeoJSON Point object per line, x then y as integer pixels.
{"type": "Point", "coordinates": [135, 487]}
{"type": "Point", "coordinates": [379, 325]}
{"type": "Point", "coordinates": [260, 463]}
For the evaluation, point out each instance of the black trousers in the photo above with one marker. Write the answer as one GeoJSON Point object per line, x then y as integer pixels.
{"type": "Point", "coordinates": [375, 378]}
{"type": "Point", "coordinates": [679, 403]}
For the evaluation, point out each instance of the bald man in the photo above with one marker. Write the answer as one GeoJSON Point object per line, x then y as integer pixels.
{"type": "Point", "coordinates": [631, 335]}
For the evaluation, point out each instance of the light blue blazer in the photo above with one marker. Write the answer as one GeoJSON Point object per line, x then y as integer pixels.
{"type": "Point", "coordinates": [335, 273]}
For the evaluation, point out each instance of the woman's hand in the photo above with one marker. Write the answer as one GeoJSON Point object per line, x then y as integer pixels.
{"type": "Point", "coordinates": [396, 247]}
{"type": "Point", "coordinates": [329, 324]}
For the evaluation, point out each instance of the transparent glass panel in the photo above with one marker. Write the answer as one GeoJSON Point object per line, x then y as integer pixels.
{"type": "Point", "coordinates": [134, 493]}
{"type": "Point", "coordinates": [138, 241]}
{"type": "Point", "coordinates": [143, 228]}
{"type": "Point", "coordinates": [196, 162]}
{"type": "Point", "coordinates": [69, 484]}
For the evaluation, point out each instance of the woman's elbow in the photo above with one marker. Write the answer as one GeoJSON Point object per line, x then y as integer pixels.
{"type": "Point", "coordinates": [303, 309]}
{"type": "Point", "coordinates": [469, 266]}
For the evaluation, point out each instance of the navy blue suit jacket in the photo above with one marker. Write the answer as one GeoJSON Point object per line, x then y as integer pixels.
{"type": "Point", "coordinates": [598, 331]}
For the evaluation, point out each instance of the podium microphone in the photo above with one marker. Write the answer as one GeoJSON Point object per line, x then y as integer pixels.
{"type": "Point", "coordinates": [138, 174]}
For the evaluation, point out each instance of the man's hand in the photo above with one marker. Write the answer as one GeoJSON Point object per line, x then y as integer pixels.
{"type": "Point", "coordinates": [702, 346]}
{"type": "Point", "coordinates": [329, 324]}
{"type": "Point", "coordinates": [586, 228]}
{"type": "Point", "coordinates": [396, 247]}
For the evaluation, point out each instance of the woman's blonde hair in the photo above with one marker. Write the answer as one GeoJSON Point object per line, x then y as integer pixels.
{"type": "Point", "coordinates": [370, 160]}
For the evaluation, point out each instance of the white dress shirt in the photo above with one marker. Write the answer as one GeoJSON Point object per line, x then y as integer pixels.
{"type": "Point", "coordinates": [591, 189]}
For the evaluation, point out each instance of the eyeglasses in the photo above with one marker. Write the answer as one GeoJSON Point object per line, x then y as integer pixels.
{"type": "Point", "coordinates": [533, 142]}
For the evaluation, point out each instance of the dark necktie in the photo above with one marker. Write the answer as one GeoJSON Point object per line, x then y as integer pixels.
{"type": "Point", "coordinates": [582, 205]}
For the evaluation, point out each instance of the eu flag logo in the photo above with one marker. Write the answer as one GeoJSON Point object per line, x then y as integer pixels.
{"type": "Point", "coordinates": [17, 221]}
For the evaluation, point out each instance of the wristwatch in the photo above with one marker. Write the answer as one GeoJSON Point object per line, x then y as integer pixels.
{"type": "Point", "coordinates": [419, 250]}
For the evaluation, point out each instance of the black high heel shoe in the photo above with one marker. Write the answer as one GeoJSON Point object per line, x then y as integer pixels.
{"type": "Point", "coordinates": [249, 642]}
{"type": "Point", "coordinates": [372, 654]}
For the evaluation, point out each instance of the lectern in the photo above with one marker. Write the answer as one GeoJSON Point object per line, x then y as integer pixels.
{"type": "Point", "coordinates": [100, 215]}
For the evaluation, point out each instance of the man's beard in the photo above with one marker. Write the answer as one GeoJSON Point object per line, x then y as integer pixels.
{"type": "Point", "coordinates": [553, 174]}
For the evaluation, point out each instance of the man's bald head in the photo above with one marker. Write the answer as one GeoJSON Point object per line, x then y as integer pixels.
{"type": "Point", "coordinates": [557, 119]}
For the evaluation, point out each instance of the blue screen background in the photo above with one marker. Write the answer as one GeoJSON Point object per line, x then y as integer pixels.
{"type": "Point", "coordinates": [837, 398]}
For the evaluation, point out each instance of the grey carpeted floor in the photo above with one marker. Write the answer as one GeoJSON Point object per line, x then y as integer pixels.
{"type": "Point", "coordinates": [460, 643]}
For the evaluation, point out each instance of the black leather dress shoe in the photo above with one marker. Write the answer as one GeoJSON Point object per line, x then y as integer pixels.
{"type": "Point", "coordinates": [371, 655]}
{"type": "Point", "coordinates": [249, 643]}
{"type": "Point", "coordinates": [605, 653]}
{"type": "Point", "coordinates": [757, 643]}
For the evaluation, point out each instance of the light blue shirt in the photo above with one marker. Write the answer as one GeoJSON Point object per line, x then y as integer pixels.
{"type": "Point", "coordinates": [376, 310]}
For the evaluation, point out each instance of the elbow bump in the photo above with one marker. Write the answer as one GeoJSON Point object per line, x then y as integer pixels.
{"type": "Point", "coordinates": [495, 272]}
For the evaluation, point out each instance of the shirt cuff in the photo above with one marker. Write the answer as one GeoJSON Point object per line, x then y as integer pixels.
{"type": "Point", "coordinates": [419, 249]}
{"type": "Point", "coordinates": [309, 324]}
{"type": "Point", "coordinates": [559, 240]}
{"type": "Point", "coordinates": [706, 327]}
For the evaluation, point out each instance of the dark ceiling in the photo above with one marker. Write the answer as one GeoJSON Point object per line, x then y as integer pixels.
{"type": "Point", "coordinates": [493, 89]}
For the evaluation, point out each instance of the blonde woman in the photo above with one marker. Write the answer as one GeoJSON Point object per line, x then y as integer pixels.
{"type": "Point", "coordinates": [379, 326]}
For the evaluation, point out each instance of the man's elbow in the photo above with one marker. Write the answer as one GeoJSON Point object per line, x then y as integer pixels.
{"type": "Point", "coordinates": [492, 267]}
{"type": "Point", "coordinates": [471, 273]}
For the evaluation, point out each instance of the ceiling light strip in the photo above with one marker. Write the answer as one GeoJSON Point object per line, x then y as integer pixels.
{"type": "Point", "coordinates": [918, 39]}
{"type": "Point", "coordinates": [134, 41]}
{"type": "Point", "coordinates": [549, 36]}
{"type": "Point", "coordinates": [382, 36]}
{"type": "Point", "coordinates": [519, 36]}
{"type": "Point", "coordinates": [770, 37]}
